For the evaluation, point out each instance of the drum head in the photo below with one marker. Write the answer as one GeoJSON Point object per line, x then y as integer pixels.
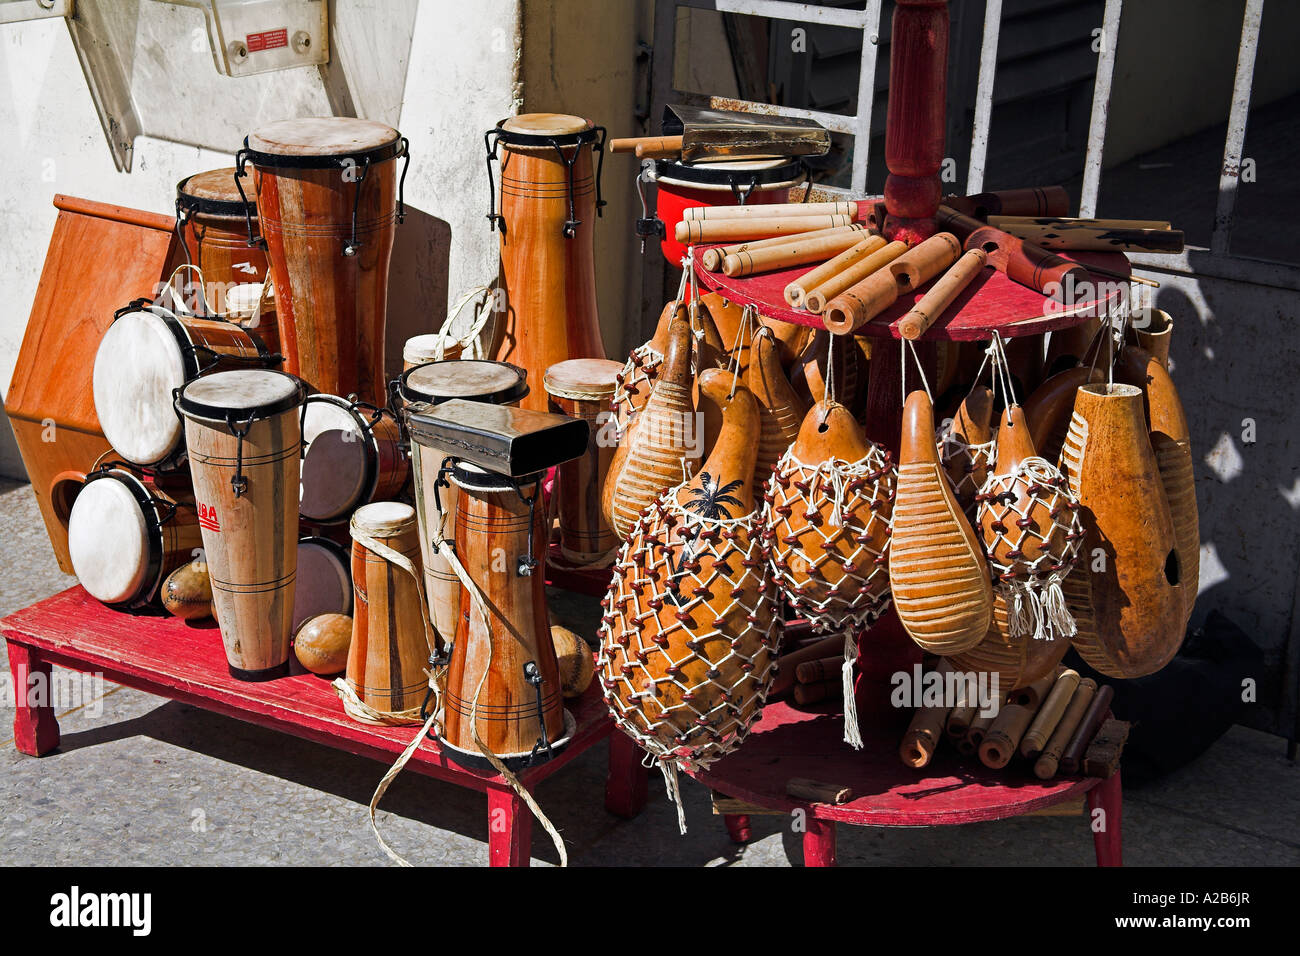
{"type": "Point", "coordinates": [422, 349]}
{"type": "Point", "coordinates": [109, 541]}
{"type": "Point", "coordinates": [321, 136]}
{"type": "Point", "coordinates": [138, 364]}
{"type": "Point", "coordinates": [324, 584]}
{"type": "Point", "coordinates": [476, 380]}
{"type": "Point", "coordinates": [582, 378]}
{"type": "Point", "coordinates": [383, 517]}
{"type": "Point", "coordinates": [216, 186]}
{"type": "Point", "coordinates": [770, 174]}
{"type": "Point", "coordinates": [545, 124]}
{"type": "Point", "coordinates": [336, 466]}
{"type": "Point", "coordinates": [244, 393]}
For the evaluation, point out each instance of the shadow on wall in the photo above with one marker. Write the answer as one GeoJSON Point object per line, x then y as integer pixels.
{"type": "Point", "coordinates": [11, 461]}
{"type": "Point", "coordinates": [417, 282]}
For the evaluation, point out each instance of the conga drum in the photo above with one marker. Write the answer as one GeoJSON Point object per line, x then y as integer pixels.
{"type": "Point", "coordinates": [328, 201]}
{"type": "Point", "coordinates": [324, 580]}
{"type": "Point", "coordinates": [213, 222]}
{"type": "Point", "coordinates": [145, 355]}
{"type": "Point", "coordinates": [389, 650]}
{"type": "Point", "coordinates": [431, 384]}
{"type": "Point", "coordinates": [582, 388]}
{"type": "Point", "coordinates": [549, 200]}
{"type": "Point", "coordinates": [353, 454]}
{"type": "Point", "coordinates": [520, 714]}
{"type": "Point", "coordinates": [125, 535]}
{"type": "Point", "coordinates": [244, 436]}
{"type": "Point", "coordinates": [682, 186]}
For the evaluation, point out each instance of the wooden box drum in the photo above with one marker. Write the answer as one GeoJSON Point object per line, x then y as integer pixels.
{"type": "Point", "coordinates": [328, 202]}
{"type": "Point", "coordinates": [582, 388]}
{"type": "Point", "coordinates": [549, 201]}
{"type": "Point", "coordinates": [431, 384]}
{"type": "Point", "coordinates": [213, 221]}
{"type": "Point", "coordinates": [353, 454]}
{"type": "Point", "coordinates": [145, 355]}
{"type": "Point", "coordinates": [125, 536]}
{"type": "Point", "coordinates": [503, 672]}
{"type": "Point", "coordinates": [681, 186]}
{"type": "Point", "coordinates": [389, 651]}
{"type": "Point", "coordinates": [324, 584]}
{"type": "Point", "coordinates": [243, 433]}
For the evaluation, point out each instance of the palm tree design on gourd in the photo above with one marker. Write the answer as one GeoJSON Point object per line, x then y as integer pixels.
{"type": "Point", "coordinates": [709, 501]}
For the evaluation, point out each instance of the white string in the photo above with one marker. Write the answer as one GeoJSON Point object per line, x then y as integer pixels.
{"type": "Point", "coordinates": [832, 394]}
{"type": "Point", "coordinates": [902, 372]}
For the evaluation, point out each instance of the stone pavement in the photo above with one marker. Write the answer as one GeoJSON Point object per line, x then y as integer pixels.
{"type": "Point", "coordinates": [141, 780]}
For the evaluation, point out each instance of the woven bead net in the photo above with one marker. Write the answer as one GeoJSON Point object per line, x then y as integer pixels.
{"type": "Point", "coordinates": [689, 635]}
{"type": "Point", "coordinates": [967, 466]}
{"type": "Point", "coordinates": [633, 383]}
{"type": "Point", "coordinates": [1030, 526]}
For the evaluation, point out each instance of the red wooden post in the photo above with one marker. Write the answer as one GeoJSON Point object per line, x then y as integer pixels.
{"type": "Point", "coordinates": [510, 829]}
{"type": "Point", "coordinates": [914, 127]}
{"type": "Point", "coordinates": [819, 843]}
{"type": "Point", "coordinates": [36, 730]}
{"type": "Point", "coordinates": [1108, 797]}
{"type": "Point", "coordinates": [738, 827]}
{"type": "Point", "coordinates": [626, 782]}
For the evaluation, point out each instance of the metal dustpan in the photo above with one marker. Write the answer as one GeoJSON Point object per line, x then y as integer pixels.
{"type": "Point", "coordinates": [725, 134]}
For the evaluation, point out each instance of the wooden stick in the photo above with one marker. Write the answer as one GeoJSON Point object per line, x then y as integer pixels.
{"type": "Point", "coordinates": [814, 672]}
{"type": "Point", "coordinates": [860, 303]}
{"type": "Point", "coordinates": [1048, 761]}
{"type": "Point", "coordinates": [1102, 756]}
{"type": "Point", "coordinates": [1003, 221]}
{"type": "Point", "coordinates": [1049, 715]}
{"type": "Point", "coordinates": [693, 233]}
{"type": "Point", "coordinates": [805, 694]}
{"type": "Point", "coordinates": [795, 291]}
{"type": "Point", "coordinates": [796, 253]}
{"type": "Point", "coordinates": [712, 258]}
{"type": "Point", "coordinates": [960, 719]}
{"type": "Point", "coordinates": [814, 791]}
{"type": "Point", "coordinates": [950, 285]}
{"type": "Point", "coordinates": [787, 663]}
{"type": "Point", "coordinates": [815, 299]}
{"type": "Point", "coordinates": [658, 147]}
{"type": "Point", "coordinates": [1094, 239]}
{"type": "Point", "coordinates": [1033, 695]}
{"type": "Point", "coordinates": [1112, 274]}
{"type": "Point", "coordinates": [979, 728]}
{"type": "Point", "coordinates": [922, 736]}
{"type": "Point", "coordinates": [768, 210]}
{"type": "Point", "coordinates": [1004, 735]}
{"type": "Point", "coordinates": [1074, 750]}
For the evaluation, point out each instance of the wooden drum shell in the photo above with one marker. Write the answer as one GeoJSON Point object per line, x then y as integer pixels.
{"type": "Point", "coordinates": [212, 224]}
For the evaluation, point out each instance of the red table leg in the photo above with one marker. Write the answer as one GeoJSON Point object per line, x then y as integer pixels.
{"type": "Point", "coordinates": [36, 731]}
{"type": "Point", "coordinates": [1106, 796]}
{"type": "Point", "coordinates": [738, 827]}
{"type": "Point", "coordinates": [626, 783]}
{"type": "Point", "coordinates": [510, 829]}
{"type": "Point", "coordinates": [819, 843]}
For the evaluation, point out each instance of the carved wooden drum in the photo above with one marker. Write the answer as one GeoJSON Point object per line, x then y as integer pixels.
{"type": "Point", "coordinates": [243, 432]}
{"type": "Point", "coordinates": [212, 221]}
{"type": "Point", "coordinates": [328, 201]}
{"type": "Point", "coordinates": [125, 535]}
{"type": "Point", "coordinates": [353, 453]}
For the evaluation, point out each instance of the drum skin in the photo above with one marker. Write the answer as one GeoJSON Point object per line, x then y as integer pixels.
{"type": "Point", "coordinates": [1137, 595]}
{"type": "Point", "coordinates": [375, 447]}
{"type": "Point", "coordinates": [549, 280]}
{"type": "Point", "coordinates": [492, 528]}
{"type": "Point", "coordinates": [389, 651]}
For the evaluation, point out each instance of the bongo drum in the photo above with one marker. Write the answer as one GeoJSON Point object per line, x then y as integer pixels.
{"type": "Point", "coordinates": [549, 202]}
{"type": "Point", "coordinates": [324, 580]}
{"type": "Point", "coordinates": [520, 714]}
{"type": "Point", "coordinates": [389, 650]}
{"type": "Point", "coordinates": [682, 186]}
{"type": "Point", "coordinates": [145, 355]}
{"type": "Point", "coordinates": [243, 432]}
{"type": "Point", "coordinates": [431, 347]}
{"type": "Point", "coordinates": [212, 222]}
{"type": "Point", "coordinates": [125, 535]}
{"type": "Point", "coordinates": [431, 384]}
{"type": "Point", "coordinates": [352, 454]}
{"type": "Point", "coordinates": [328, 201]}
{"type": "Point", "coordinates": [582, 388]}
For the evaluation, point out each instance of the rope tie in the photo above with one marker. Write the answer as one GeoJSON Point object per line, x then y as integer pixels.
{"type": "Point", "coordinates": [852, 733]}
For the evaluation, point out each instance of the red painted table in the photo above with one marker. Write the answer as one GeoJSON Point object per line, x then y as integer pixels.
{"type": "Point", "coordinates": [167, 657]}
{"type": "Point", "coordinates": [791, 741]}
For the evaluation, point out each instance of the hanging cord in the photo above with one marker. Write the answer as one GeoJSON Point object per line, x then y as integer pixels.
{"type": "Point", "coordinates": [904, 345]}
{"type": "Point", "coordinates": [471, 340]}
{"type": "Point", "coordinates": [1001, 370]}
{"type": "Point", "coordinates": [179, 305]}
{"type": "Point", "coordinates": [747, 330]}
{"type": "Point", "coordinates": [832, 395]}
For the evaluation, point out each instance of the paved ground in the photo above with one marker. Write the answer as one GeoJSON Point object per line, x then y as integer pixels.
{"type": "Point", "coordinates": [141, 780]}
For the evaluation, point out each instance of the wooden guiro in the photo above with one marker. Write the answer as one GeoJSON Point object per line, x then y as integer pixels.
{"type": "Point", "coordinates": [950, 285]}
{"type": "Point", "coordinates": [794, 253]}
{"type": "Point", "coordinates": [712, 259]}
{"type": "Point", "coordinates": [856, 306]}
{"type": "Point", "coordinates": [816, 297]}
{"type": "Point", "coordinates": [865, 246]}
{"type": "Point", "coordinates": [693, 232]}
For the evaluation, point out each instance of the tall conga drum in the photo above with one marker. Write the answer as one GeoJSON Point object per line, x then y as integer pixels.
{"type": "Point", "coordinates": [328, 202]}
{"type": "Point", "coordinates": [582, 388]}
{"type": "Point", "coordinates": [549, 199]}
{"type": "Point", "coordinates": [213, 222]}
{"type": "Point", "coordinates": [243, 433]}
{"type": "Point", "coordinates": [431, 384]}
{"type": "Point", "coordinates": [389, 650]}
{"type": "Point", "coordinates": [520, 714]}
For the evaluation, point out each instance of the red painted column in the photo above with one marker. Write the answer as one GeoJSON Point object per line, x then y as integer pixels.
{"type": "Point", "coordinates": [627, 780]}
{"type": "Point", "coordinates": [510, 829]}
{"type": "Point", "coordinates": [819, 843]}
{"type": "Point", "coordinates": [1108, 796]}
{"type": "Point", "coordinates": [914, 127]}
{"type": "Point", "coordinates": [36, 730]}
